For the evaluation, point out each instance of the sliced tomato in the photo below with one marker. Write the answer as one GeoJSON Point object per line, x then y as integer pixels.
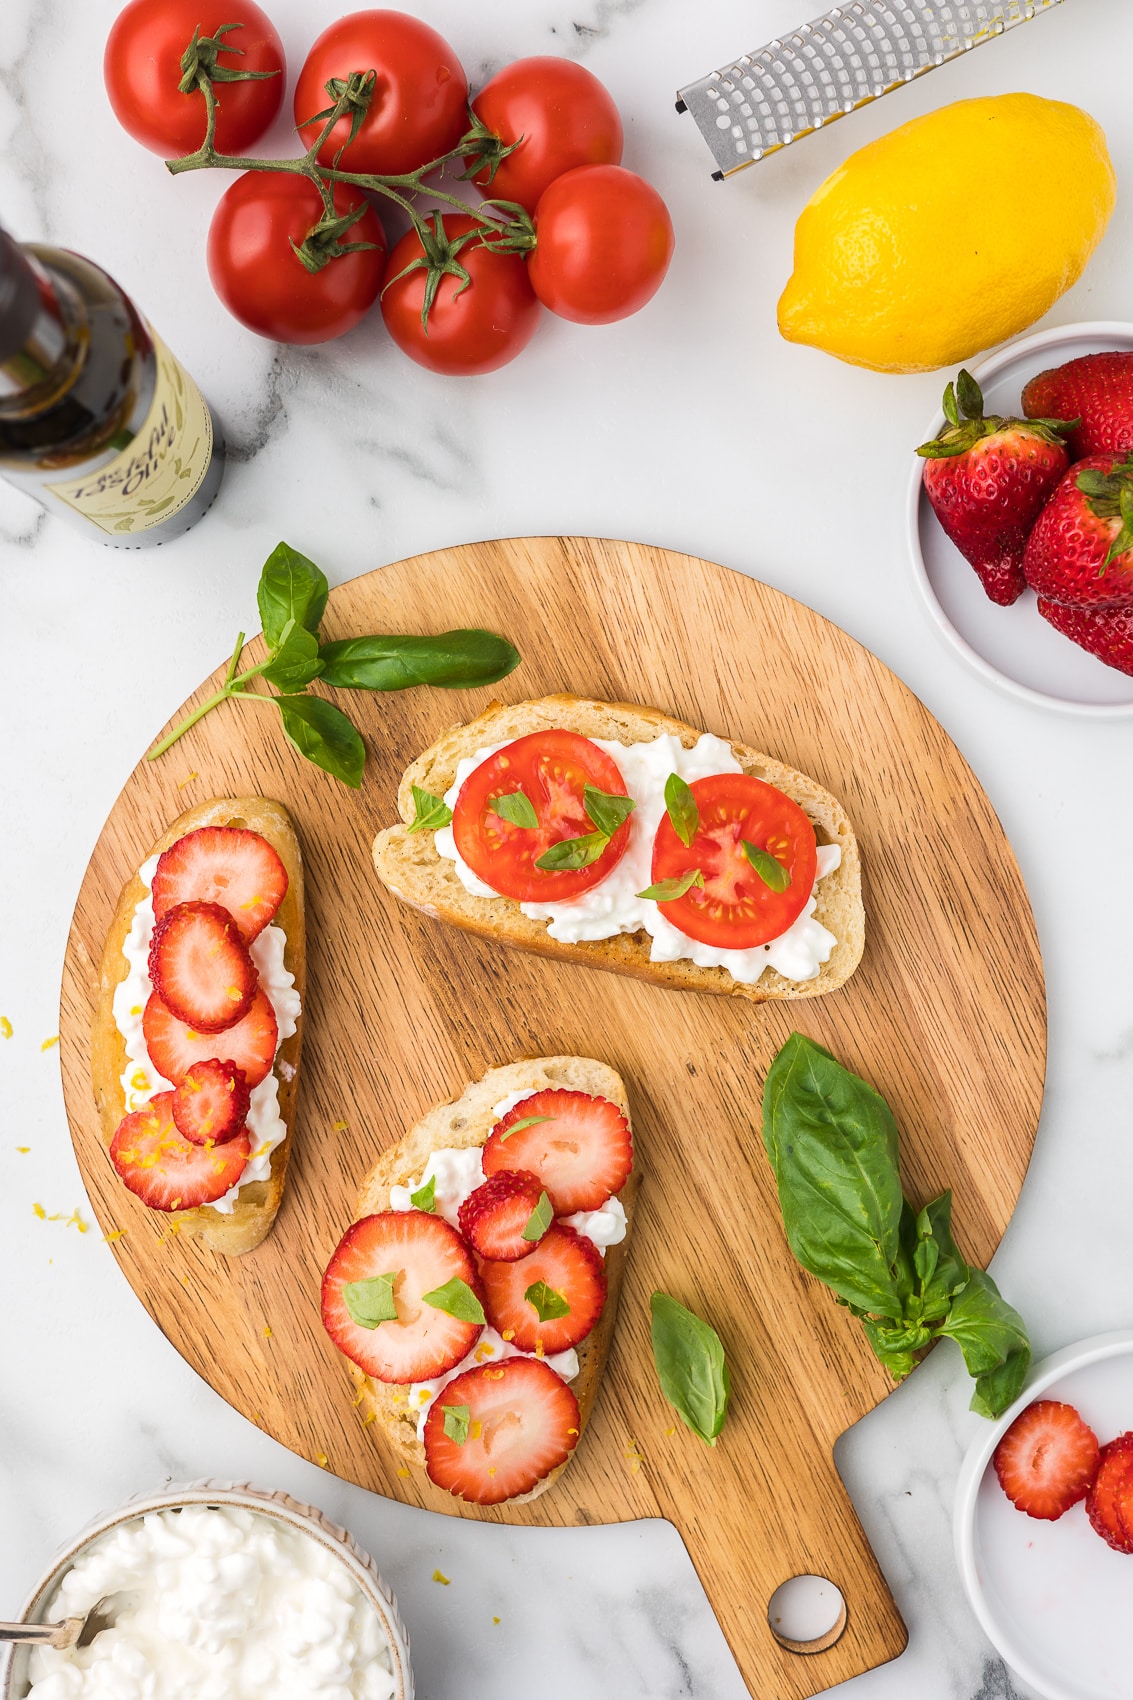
{"type": "Point", "coordinates": [552, 769]}
{"type": "Point", "coordinates": [736, 909]}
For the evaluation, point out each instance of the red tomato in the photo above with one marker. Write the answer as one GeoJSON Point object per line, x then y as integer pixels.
{"type": "Point", "coordinates": [551, 769]}
{"type": "Point", "coordinates": [605, 240]}
{"type": "Point", "coordinates": [142, 68]}
{"type": "Point", "coordinates": [560, 115]}
{"type": "Point", "coordinates": [470, 330]}
{"type": "Point", "coordinates": [265, 285]}
{"type": "Point", "coordinates": [736, 909]}
{"type": "Point", "coordinates": [419, 107]}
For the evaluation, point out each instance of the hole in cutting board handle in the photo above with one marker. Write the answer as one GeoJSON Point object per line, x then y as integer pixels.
{"type": "Point", "coordinates": [807, 1614]}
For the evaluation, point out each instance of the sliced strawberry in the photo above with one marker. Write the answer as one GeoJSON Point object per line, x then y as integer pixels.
{"type": "Point", "coordinates": [200, 967]}
{"type": "Point", "coordinates": [174, 1046]}
{"type": "Point", "coordinates": [1113, 1485]}
{"type": "Point", "coordinates": [164, 1169]}
{"type": "Point", "coordinates": [422, 1252]}
{"type": "Point", "coordinates": [522, 1423]}
{"type": "Point", "coordinates": [222, 864]}
{"type": "Point", "coordinates": [504, 1218]}
{"type": "Point", "coordinates": [565, 1269]}
{"type": "Point", "coordinates": [211, 1103]}
{"type": "Point", "coordinates": [580, 1148]}
{"type": "Point", "coordinates": [1047, 1460]}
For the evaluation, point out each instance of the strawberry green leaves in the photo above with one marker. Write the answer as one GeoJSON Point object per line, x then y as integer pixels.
{"type": "Point", "coordinates": [292, 599]}
{"type": "Point", "coordinates": [689, 1357]}
{"type": "Point", "coordinates": [832, 1144]}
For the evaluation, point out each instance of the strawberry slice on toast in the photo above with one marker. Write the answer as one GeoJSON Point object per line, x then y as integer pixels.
{"type": "Point", "coordinates": [228, 865]}
{"type": "Point", "coordinates": [1047, 1460]}
{"type": "Point", "coordinates": [164, 1169]}
{"type": "Point", "coordinates": [200, 967]}
{"type": "Point", "coordinates": [211, 1104]}
{"type": "Point", "coordinates": [498, 1431]}
{"type": "Point", "coordinates": [551, 1299]}
{"type": "Point", "coordinates": [374, 1300]}
{"type": "Point", "coordinates": [175, 1047]}
{"type": "Point", "coordinates": [577, 1145]}
{"type": "Point", "coordinates": [506, 1217]}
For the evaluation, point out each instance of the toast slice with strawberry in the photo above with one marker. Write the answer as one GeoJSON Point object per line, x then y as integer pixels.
{"type": "Point", "coordinates": [448, 1420]}
{"type": "Point", "coordinates": [173, 1096]}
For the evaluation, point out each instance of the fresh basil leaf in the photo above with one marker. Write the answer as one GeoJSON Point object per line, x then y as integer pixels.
{"type": "Point", "coordinates": [607, 811]}
{"type": "Point", "coordinates": [989, 1333]}
{"type": "Point", "coordinates": [573, 852]}
{"type": "Point", "coordinates": [538, 1222]}
{"type": "Point", "coordinates": [454, 660]}
{"type": "Point", "coordinates": [370, 1302]}
{"type": "Point", "coordinates": [425, 1198]}
{"type": "Point", "coordinates": [680, 806]}
{"type": "Point", "coordinates": [430, 813]}
{"type": "Point", "coordinates": [937, 1254]}
{"type": "Point", "coordinates": [456, 1298]}
{"type": "Point", "coordinates": [527, 1121]}
{"type": "Point", "coordinates": [1000, 1387]}
{"type": "Point", "coordinates": [291, 588]}
{"type": "Point", "coordinates": [690, 1364]}
{"type": "Point", "coordinates": [770, 870]}
{"type": "Point", "coordinates": [897, 1359]}
{"type": "Point", "coordinates": [667, 891]}
{"type": "Point", "coordinates": [548, 1303]}
{"type": "Point", "coordinates": [456, 1422]}
{"type": "Point", "coordinates": [325, 736]}
{"type": "Point", "coordinates": [832, 1143]}
{"type": "Point", "coordinates": [296, 661]}
{"type": "Point", "coordinates": [516, 807]}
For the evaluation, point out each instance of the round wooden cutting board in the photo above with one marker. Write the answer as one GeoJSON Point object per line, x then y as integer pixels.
{"type": "Point", "coordinates": [945, 1016]}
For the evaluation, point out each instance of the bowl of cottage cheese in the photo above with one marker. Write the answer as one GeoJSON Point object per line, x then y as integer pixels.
{"type": "Point", "coordinates": [226, 1591]}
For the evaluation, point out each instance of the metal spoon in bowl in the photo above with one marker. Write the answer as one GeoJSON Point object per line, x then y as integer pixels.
{"type": "Point", "coordinates": [73, 1631]}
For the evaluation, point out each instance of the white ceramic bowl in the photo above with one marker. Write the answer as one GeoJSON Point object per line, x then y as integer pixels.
{"type": "Point", "coordinates": [280, 1506]}
{"type": "Point", "coordinates": [1052, 1597]}
{"type": "Point", "coordinates": [1013, 647]}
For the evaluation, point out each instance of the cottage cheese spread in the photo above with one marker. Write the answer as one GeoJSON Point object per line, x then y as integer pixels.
{"type": "Point", "coordinates": [226, 1603]}
{"type": "Point", "coordinates": [613, 907]}
{"type": "Point", "coordinates": [141, 1081]}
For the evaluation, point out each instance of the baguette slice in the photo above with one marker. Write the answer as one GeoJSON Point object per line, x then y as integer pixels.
{"type": "Point", "coordinates": [409, 866]}
{"type": "Point", "coordinates": [462, 1124]}
{"type": "Point", "coordinates": [250, 1221]}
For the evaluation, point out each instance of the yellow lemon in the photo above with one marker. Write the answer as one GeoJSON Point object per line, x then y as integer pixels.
{"type": "Point", "coordinates": [950, 234]}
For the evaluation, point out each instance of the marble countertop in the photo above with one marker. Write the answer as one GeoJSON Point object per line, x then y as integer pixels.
{"type": "Point", "coordinates": [691, 426]}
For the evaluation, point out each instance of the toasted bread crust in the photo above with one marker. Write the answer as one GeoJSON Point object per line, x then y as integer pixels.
{"type": "Point", "coordinates": [249, 1223]}
{"type": "Point", "coordinates": [409, 866]}
{"type": "Point", "coordinates": [466, 1122]}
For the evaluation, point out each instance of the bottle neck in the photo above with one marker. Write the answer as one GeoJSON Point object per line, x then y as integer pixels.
{"type": "Point", "coordinates": [34, 334]}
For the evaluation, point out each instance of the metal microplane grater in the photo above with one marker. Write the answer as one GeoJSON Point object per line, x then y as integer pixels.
{"type": "Point", "coordinates": [823, 70]}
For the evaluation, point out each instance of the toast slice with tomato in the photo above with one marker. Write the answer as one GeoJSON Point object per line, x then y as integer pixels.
{"type": "Point", "coordinates": [409, 865]}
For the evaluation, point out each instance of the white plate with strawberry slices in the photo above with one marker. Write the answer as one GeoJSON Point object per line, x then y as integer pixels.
{"type": "Point", "coordinates": [1051, 1590]}
{"type": "Point", "coordinates": [1013, 647]}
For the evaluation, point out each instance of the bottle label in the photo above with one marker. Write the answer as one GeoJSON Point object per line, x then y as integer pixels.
{"type": "Point", "coordinates": [164, 466]}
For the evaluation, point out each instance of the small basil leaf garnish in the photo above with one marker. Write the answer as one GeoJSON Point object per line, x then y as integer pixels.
{"type": "Point", "coordinates": [607, 811]}
{"type": "Point", "coordinates": [456, 1298]}
{"type": "Point", "coordinates": [690, 1364]}
{"type": "Point", "coordinates": [667, 891]}
{"type": "Point", "coordinates": [570, 853]}
{"type": "Point", "coordinates": [516, 807]}
{"type": "Point", "coordinates": [548, 1302]}
{"type": "Point", "coordinates": [370, 1302]}
{"type": "Point", "coordinates": [456, 1422]}
{"type": "Point", "coordinates": [425, 1198]}
{"type": "Point", "coordinates": [528, 1121]}
{"type": "Point", "coordinates": [430, 813]}
{"type": "Point", "coordinates": [770, 870]}
{"type": "Point", "coordinates": [680, 806]}
{"type": "Point", "coordinates": [539, 1221]}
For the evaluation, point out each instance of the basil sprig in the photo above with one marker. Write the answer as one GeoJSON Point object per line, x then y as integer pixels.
{"type": "Point", "coordinates": [832, 1143]}
{"type": "Point", "coordinates": [456, 1298]}
{"type": "Point", "coordinates": [689, 1356]}
{"type": "Point", "coordinates": [370, 1302]}
{"type": "Point", "coordinates": [292, 598]}
{"type": "Point", "coordinates": [769, 868]}
{"type": "Point", "coordinates": [430, 813]}
{"type": "Point", "coordinates": [680, 806]}
{"type": "Point", "coordinates": [608, 812]}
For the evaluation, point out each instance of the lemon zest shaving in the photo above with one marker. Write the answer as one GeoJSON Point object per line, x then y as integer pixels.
{"type": "Point", "coordinates": [181, 783]}
{"type": "Point", "coordinates": [321, 1460]}
{"type": "Point", "coordinates": [5, 1027]}
{"type": "Point", "coordinates": [40, 1212]}
{"type": "Point", "coordinates": [402, 1471]}
{"type": "Point", "coordinates": [23, 1149]}
{"type": "Point", "coordinates": [439, 1576]}
{"type": "Point", "coordinates": [116, 1234]}
{"type": "Point", "coordinates": [339, 1127]}
{"type": "Point", "coordinates": [47, 1043]}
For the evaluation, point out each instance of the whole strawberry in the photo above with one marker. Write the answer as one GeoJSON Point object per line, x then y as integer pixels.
{"type": "Point", "coordinates": [1081, 549]}
{"type": "Point", "coordinates": [1105, 632]}
{"type": "Point", "coordinates": [987, 479]}
{"type": "Point", "coordinates": [1096, 391]}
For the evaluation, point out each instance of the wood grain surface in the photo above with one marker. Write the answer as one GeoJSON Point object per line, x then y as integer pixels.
{"type": "Point", "coordinates": [945, 1016]}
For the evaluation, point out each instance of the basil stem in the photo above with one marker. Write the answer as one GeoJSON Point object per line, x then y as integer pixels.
{"type": "Point", "coordinates": [690, 1364]}
{"type": "Point", "coordinates": [456, 660]}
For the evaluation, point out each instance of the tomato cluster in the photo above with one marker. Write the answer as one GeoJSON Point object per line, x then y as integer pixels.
{"type": "Point", "coordinates": [296, 250]}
